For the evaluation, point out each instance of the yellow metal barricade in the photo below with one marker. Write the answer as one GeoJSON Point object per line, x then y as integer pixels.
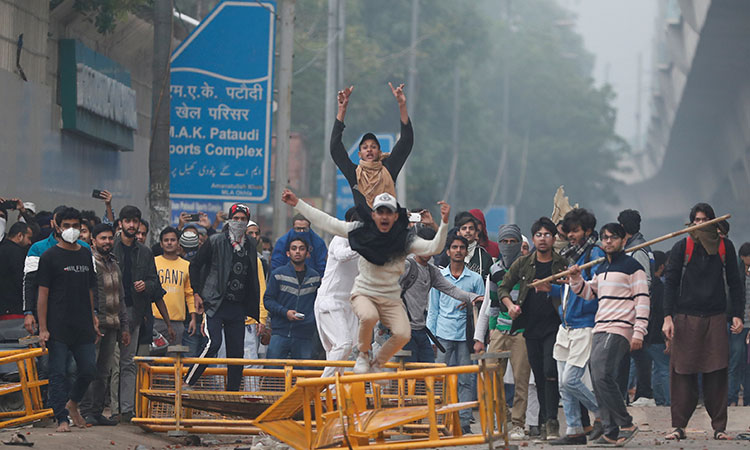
{"type": "Point", "coordinates": [28, 385]}
{"type": "Point", "coordinates": [289, 400]}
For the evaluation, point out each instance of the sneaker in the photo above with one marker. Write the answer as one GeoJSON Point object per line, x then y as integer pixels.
{"type": "Point", "coordinates": [466, 429]}
{"type": "Point", "coordinates": [597, 431]}
{"type": "Point", "coordinates": [534, 431]}
{"type": "Point", "coordinates": [578, 439]}
{"type": "Point", "coordinates": [101, 420]}
{"type": "Point", "coordinates": [644, 401]}
{"type": "Point", "coordinates": [363, 363]}
{"type": "Point", "coordinates": [517, 433]}
{"type": "Point", "coordinates": [553, 429]}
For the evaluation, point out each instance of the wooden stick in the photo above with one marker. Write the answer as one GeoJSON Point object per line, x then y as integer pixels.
{"type": "Point", "coordinates": [632, 249]}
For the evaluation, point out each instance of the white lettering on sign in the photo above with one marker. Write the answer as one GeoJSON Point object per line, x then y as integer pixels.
{"type": "Point", "coordinates": [188, 112]}
{"type": "Point", "coordinates": [243, 92]}
{"type": "Point", "coordinates": [244, 151]}
{"type": "Point", "coordinates": [234, 135]}
{"type": "Point", "coordinates": [224, 112]}
{"type": "Point", "coordinates": [105, 96]}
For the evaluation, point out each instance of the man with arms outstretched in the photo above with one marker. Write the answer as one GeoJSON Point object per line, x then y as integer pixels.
{"type": "Point", "coordinates": [383, 240]}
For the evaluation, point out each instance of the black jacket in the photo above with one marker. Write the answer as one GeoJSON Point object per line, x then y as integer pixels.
{"type": "Point", "coordinates": [142, 268]}
{"type": "Point", "coordinates": [700, 291]}
{"type": "Point", "coordinates": [12, 257]}
{"type": "Point", "coordinates": [209, 274]}
{"type": "Point", "coordinates": [656, 318]}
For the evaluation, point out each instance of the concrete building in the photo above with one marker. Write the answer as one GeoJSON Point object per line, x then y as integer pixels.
{"type": "Point", "coordinates": [81, 118]}
{"type": "Point", "coordinates": [698, 140]}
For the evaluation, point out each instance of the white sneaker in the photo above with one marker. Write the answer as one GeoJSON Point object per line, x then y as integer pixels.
{"type": "Point", "coordinates": [363, 363]}
{"type": "Point", "coordinates": [517, 433]}
{"type": "Point", "coordinates": [643, 401]}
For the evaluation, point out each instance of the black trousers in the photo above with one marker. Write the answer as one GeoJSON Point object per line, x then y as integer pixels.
{"type": "Point", "coordinates": [230, 317]}
{"type": "Point", "coordinates": [544, 367]}
{"type": "Point", "coordinates": [643, 374]}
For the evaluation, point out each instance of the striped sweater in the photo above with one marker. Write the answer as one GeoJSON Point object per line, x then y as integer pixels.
{"type": "Point", "coordinates": [622, 290]}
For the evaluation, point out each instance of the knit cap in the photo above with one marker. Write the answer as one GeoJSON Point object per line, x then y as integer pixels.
{"type": "Point", "coordinates": [509, 231]}
{"type": "Point", "coordinates": [189, 240]}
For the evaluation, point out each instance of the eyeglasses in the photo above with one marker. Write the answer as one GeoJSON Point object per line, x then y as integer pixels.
{"type": "Point", "coordinates": [610, 237]}
{"type": "Point", "coordinates": [543, 235]}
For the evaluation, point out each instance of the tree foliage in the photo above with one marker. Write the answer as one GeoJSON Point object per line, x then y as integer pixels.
{"type": "Point", "coordinates": [105, 13]}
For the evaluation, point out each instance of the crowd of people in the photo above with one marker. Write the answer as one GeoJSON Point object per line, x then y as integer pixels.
{"type": "Point", "coordinates": [637, 327]}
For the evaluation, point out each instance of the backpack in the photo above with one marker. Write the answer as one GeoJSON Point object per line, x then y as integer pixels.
{"type": "Point", "coordinates": [690, 246]}
{"type": "Point", "coordinates": [410, 277]}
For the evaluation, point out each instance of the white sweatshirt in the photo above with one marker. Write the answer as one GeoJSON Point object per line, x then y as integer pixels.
{"type": "Point", "coordinates": [342, 267]}
{"type": "Point", "coordinates": [374, 280]}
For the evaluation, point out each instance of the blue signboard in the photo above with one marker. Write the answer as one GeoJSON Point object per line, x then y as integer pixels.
{"type": "Point", "coordinates": [221, 97]}
{"type": "Point", "coordinates": [344, 198]}
{"type": "Point", "coordinates": [496, 216]}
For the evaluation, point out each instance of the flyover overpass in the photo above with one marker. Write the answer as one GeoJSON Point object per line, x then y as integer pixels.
{"type": "Point", "coordinates": [698, 142]}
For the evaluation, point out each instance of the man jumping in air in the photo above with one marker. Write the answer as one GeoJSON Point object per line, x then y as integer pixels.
{"type": "Point", "coordinates": [383, 240]}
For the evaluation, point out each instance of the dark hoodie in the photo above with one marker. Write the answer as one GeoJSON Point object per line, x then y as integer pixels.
{"type": "Point", "coordinates": [484, 240]}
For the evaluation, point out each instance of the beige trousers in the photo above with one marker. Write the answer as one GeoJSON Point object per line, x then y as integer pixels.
{"type": "Point", "coordinates": [519, 362]}
{"type": "Point", "coordinates": [392, 314]}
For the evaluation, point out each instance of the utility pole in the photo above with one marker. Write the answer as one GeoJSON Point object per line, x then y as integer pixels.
{"type": "Point", "coordinates": [448, 195]}
{"type": "Point", "coordinates": [327, 171]}
{"type": "Point", "coordinates": [158, 154]}
{"type": "Point", "coordinates": [506, 109]}
{"type": "Point", "coordinates": [411, 94]}
{"type": "Point", "coordinates": [284, 114]}
{"type": "Point", "coordinates": [640, 154]}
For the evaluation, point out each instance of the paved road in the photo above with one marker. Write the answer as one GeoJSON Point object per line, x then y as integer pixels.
{"type": "Point", "coordinates": [654, 422]}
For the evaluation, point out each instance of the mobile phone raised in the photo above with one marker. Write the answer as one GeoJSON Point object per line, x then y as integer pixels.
{"type": "Point", "coordinates": [97, 193]}
{"type": "Point", "coordinates": [415, 217]}
{"type": "Point", "coordinates": [194, 217]}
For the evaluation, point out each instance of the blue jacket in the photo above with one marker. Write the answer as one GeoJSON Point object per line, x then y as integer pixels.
{"type": "Point", "coordinates": [283, 293]}
{"type": "Point", "coordinates": [580, 313]}
{"type": "Point", "coordinates": [317, 254]}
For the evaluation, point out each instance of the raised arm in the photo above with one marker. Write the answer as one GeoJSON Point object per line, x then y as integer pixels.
{"type": "Point", "coordinates": [402, 149]}
{"type": "Point", "coordinates": [317, 217]}
{"type": "Point", "coordinates": [423, 247]}
{"type": "Point", "coordinates": [338, 151]}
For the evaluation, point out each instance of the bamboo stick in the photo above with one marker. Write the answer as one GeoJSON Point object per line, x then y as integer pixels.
{"type": "Point", "coordinates": [565, 273]}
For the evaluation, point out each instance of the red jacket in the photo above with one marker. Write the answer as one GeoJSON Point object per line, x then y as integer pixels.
{"type": "Point", "coordinates": [484, 241]}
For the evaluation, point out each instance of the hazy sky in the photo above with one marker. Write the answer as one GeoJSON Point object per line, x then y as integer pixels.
{"type": "Point", "coordinates": [616, 31]}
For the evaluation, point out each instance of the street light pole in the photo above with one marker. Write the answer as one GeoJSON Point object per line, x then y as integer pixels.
{"type": "Point", "coordinates": [284, 114]}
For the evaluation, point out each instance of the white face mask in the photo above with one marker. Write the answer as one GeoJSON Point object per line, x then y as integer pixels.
{"type": "Point", "coordinates": [2, 228]}
{"type": "Point", "coordinates": [70, 235]}
{"type": "Point", "coordinates": [237, 230]}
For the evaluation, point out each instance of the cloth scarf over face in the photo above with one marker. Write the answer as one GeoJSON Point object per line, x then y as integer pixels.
{"type": "Point", "coordinates": [236, 233]}
{"type": "Point", "coordinates": [376, 247]}
{"type": "Point", "coordinates": [373, 178]}
{"type": "Point", "coordinates": [708, 237]}
{"type": "Point", "coordinates": [574, 252]}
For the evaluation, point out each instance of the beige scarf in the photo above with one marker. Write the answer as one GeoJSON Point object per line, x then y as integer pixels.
{"type": "Point", "coordinates": [373, 179]}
